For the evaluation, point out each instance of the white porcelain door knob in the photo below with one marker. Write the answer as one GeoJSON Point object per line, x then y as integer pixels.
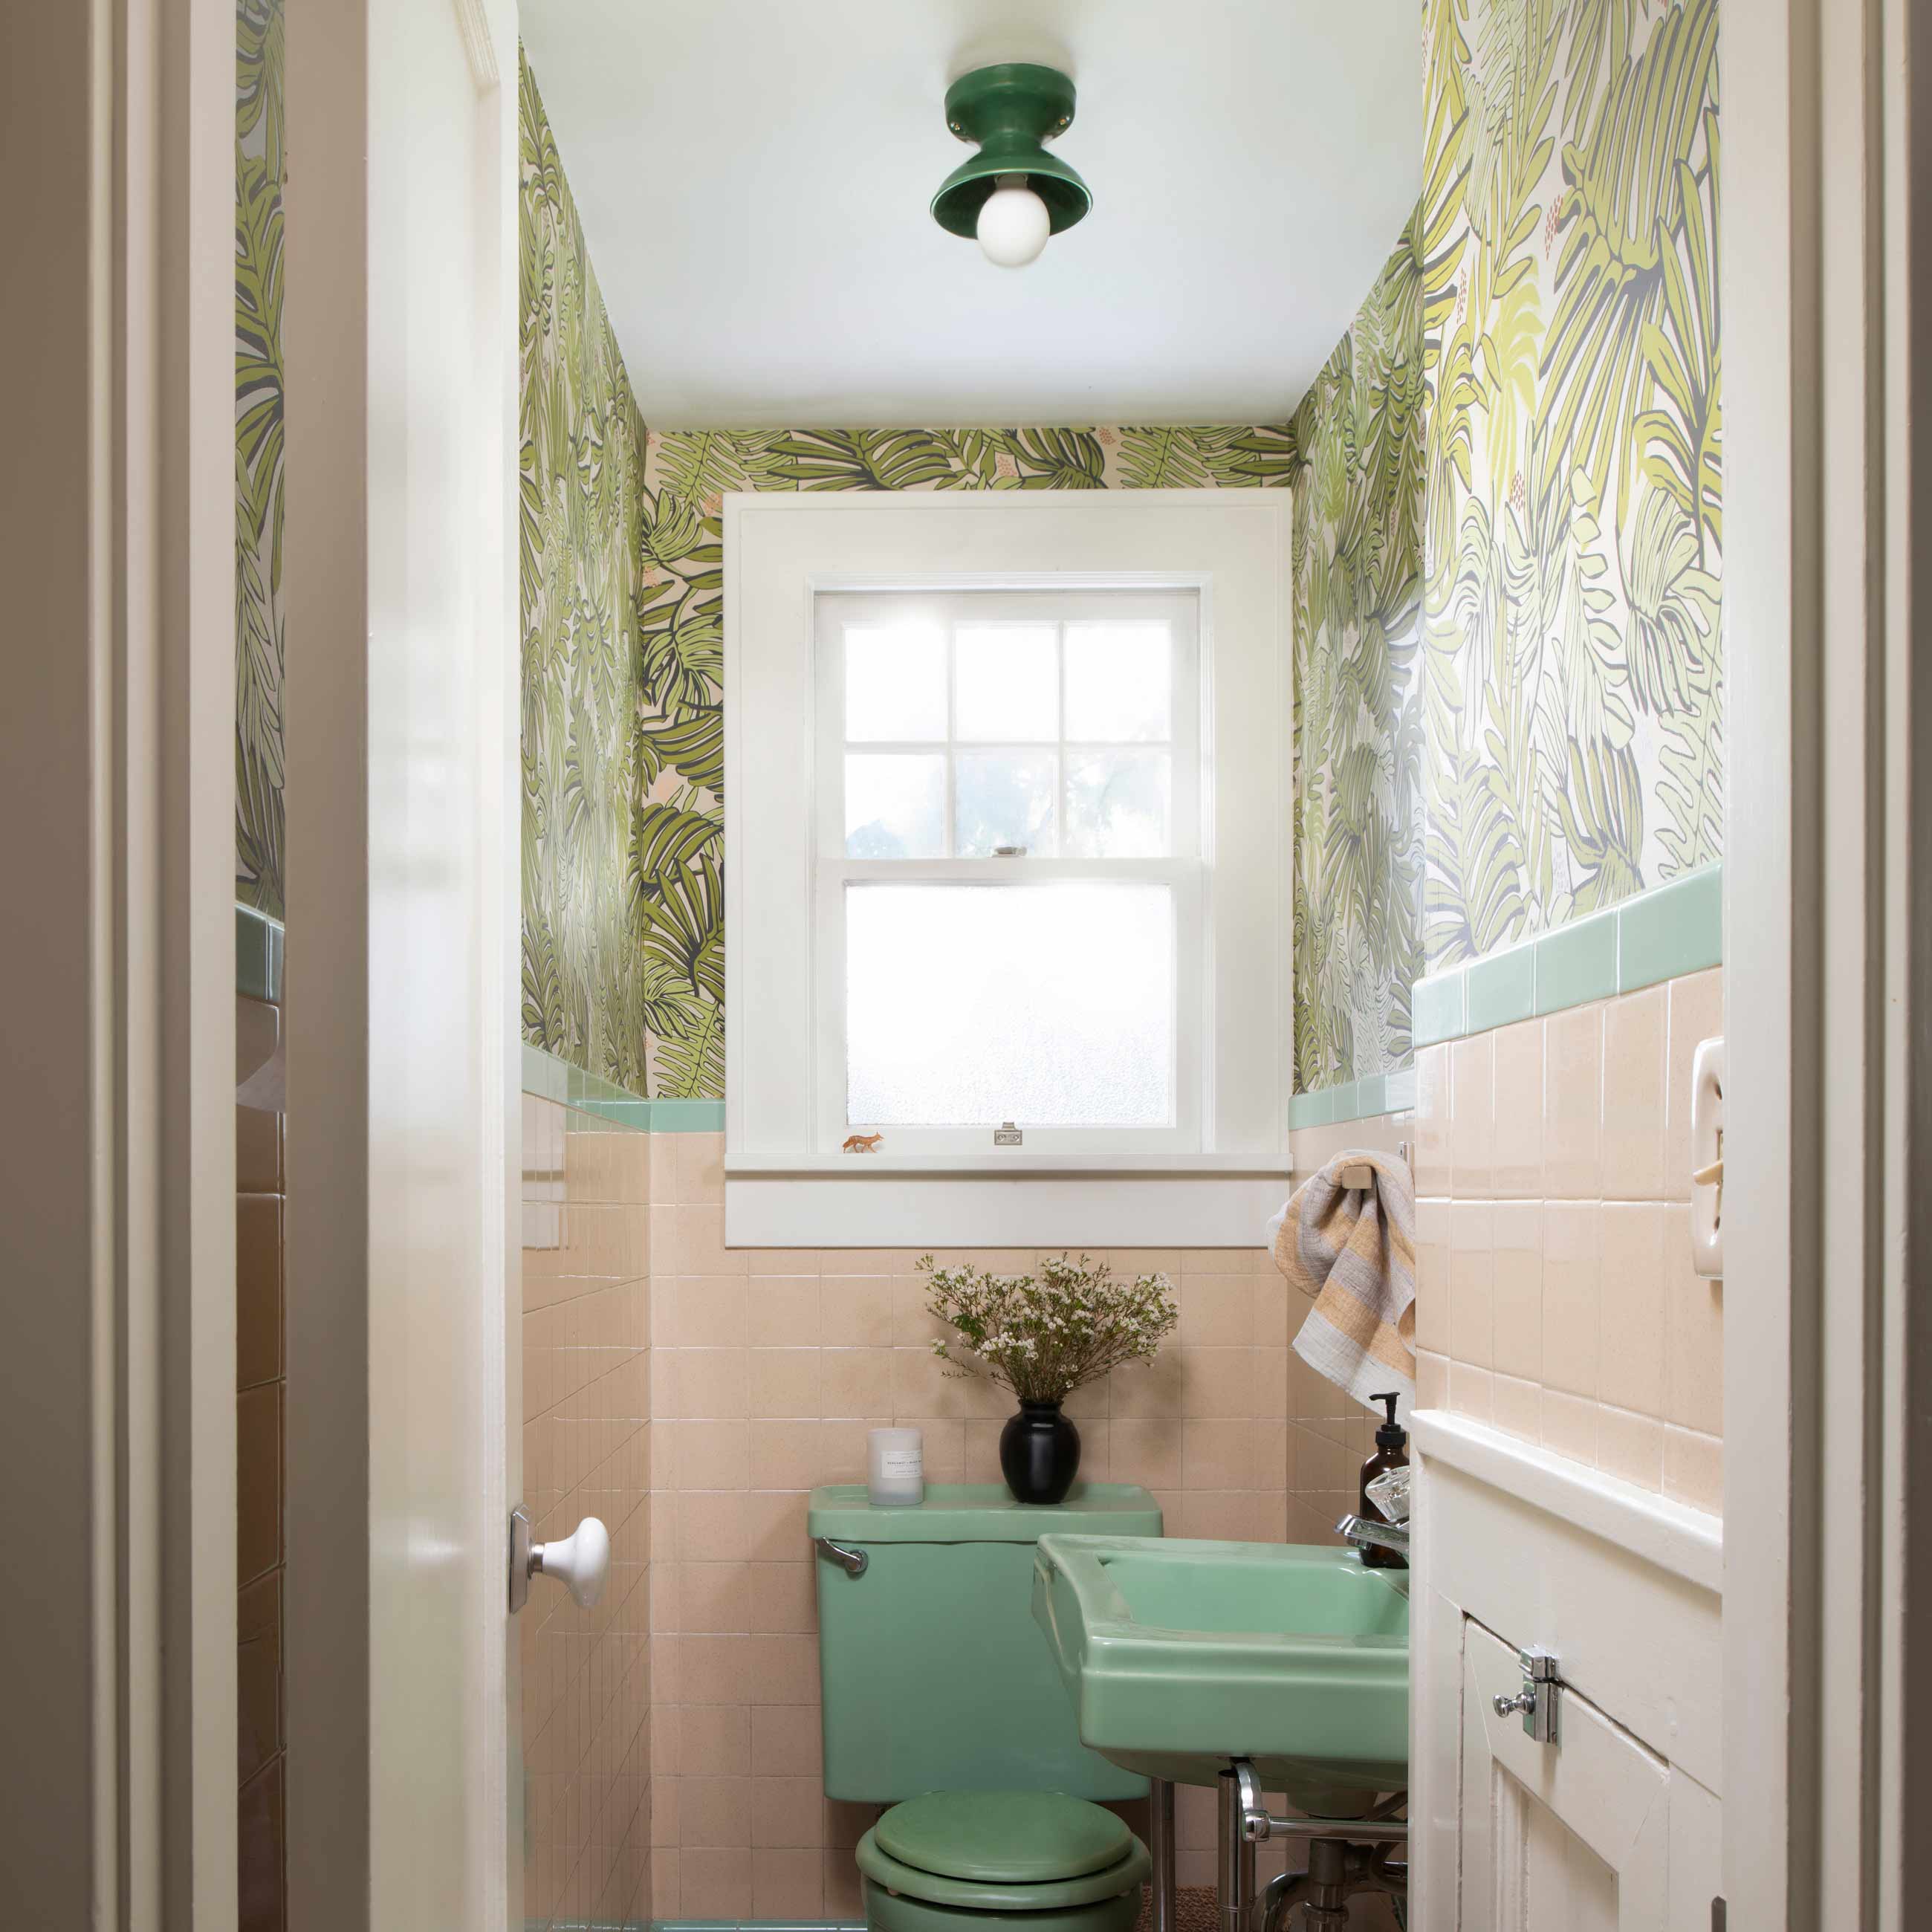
{"type": "Point", "coordinates": [580, 1562]}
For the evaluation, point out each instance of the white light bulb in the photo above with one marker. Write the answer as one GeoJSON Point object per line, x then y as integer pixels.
{"type": "Point", "coordinates": [1013, 223]}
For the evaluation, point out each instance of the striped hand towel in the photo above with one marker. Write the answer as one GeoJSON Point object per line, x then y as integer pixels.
{"type": "Point", "coordinates": [1352, 1251]}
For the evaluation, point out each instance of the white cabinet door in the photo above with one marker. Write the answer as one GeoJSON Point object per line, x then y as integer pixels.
{"type": "Point", "coordinates": [1573, 1836]}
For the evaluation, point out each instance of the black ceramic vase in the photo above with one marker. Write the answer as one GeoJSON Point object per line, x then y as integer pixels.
{"type": "Point", "coordinates": [1040, 1453]}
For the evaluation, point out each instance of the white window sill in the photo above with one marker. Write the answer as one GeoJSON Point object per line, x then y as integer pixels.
{"type": "Point", "coordinates": [911, 1202]}
{"type": "Point", "coordinates": [978, 1167]}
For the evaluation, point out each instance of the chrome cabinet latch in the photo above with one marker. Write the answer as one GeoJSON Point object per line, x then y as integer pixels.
{"type": "Point", "coordinates": [1540, 1699]}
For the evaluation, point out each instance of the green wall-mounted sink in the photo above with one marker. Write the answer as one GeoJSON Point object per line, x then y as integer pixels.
{"type": "Point", "coordinates": [1179, 1656]}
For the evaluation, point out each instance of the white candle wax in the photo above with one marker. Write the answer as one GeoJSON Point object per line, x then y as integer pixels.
{"type": "Point", "coordinates": [895, 1466]}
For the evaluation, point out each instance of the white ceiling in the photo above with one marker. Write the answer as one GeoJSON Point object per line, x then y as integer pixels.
{"type": "Point", "coordinates": [753, 177]}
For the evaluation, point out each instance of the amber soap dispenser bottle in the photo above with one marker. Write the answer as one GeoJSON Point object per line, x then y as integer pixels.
{"type": "Point", "coordinates": [1391, 1453]}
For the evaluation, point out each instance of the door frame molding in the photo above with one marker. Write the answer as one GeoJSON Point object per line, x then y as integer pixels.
{"type": "Point", "coordinates": [1826, 1452]}
{"type": "Point", "coordinates": [117, 964]}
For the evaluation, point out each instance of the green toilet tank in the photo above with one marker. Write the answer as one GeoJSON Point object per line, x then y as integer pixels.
{"type": "Point", "coordinates": [935, 1676]}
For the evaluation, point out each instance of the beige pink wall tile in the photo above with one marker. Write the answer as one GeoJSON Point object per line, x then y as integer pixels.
{"type": "Point", "coordinates": [1634, 1031]}
{"type": "Point", "coordinates": [1572, 1272]}
{"type": "Point", "coordinates": [1563, 1205]}
{"type": "Point", "coordinates": [1573, 1070]}
{"type": "Point", "coordinates": [1693, 1336]}
{"type": "Point", "coordinates": [1431, 1275]}
{"type": "Point", "coordinates": [588, 1734]}
{"type": "Point", "coordinates": [1472, 1118]}
{"type": "Point", "coordinates": [1472, 1283]}
{"type": "Point", "coordinates": [856, 1312]}
{"type": "Point", "coordinates": [1630, 1446]}
{"type": "Point", "coordinates": [1629, 1373]}
{"type": "Point", "coordinates": [1570, 1426]}
{"type": "Point", "coordinates": [1471, 1391]}
{"type": "Point", "coordinates": [1432, 1121]}
{"type": "Point", "coordinates": [1693, 1468]}
{"type": "Point", "coordinates": [1517, 1148]}
{"type": "Point", "coordinates": [1517, 1407]}
{"type": "Point", "coordinates": [1517, 1234]}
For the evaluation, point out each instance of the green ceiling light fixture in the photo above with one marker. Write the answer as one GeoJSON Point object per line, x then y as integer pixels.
{"type": "Point", "coordinates": [1012, 194]}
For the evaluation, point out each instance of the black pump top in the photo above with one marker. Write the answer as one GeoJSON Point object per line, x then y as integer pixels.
{"type": "Point", "coordinates": [1389, 1435]}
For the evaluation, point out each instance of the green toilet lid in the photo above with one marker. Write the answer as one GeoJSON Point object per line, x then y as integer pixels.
{"type": "Point", "coordinates": [1011, 1837]}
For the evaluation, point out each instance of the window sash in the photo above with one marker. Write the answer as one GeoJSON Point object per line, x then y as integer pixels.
{"type": "Point", "coordinates": [1179, 610]}
{"type": "Point", "coordinates": [1185, 872]}
{"type": "Point", "coordinates": [1184, 878]}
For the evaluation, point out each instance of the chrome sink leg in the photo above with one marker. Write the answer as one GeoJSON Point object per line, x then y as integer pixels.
{"type": "Point", "coordinates": [1160, 1849]}
{"type": "Point", "coordinates": [1235, 1875]}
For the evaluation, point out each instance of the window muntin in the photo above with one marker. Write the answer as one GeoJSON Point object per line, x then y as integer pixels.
{"type": "Point", "coordinates": [1009, 915]}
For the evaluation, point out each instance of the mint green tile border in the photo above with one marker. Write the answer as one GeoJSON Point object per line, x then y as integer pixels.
{"type": "Point", "coordinates": [259, 943]}
{"type": "Point", "coordinates": [1499, 989]}
{"type": "Point", "coordinates": [1391, 1093]}
{"type": "Point", "coordinates": [1436, 1008]}
{"type": "Point", "coordinates": [1661, 934]}
{"type": "Point", "coordinates": [1678, 929]}
{"type": "Point", "coordinates": [550, 1078]}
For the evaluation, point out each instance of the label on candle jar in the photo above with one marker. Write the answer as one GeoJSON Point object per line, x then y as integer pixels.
{"type": "Point", "coordinates": [900, 1463]}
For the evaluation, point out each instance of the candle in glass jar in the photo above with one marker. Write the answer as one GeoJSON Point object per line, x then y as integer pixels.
{"type": "Point", "coordinates": [895, 1466]}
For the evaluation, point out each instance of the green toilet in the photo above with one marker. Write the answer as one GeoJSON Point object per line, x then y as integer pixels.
{"type": "Point", "coordinates": [942, 1701]}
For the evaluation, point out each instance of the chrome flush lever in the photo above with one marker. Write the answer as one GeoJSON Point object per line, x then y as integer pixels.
{"type": "Point", "coordinates": [853, 1561]}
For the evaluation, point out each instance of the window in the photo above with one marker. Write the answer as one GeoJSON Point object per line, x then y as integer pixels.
{"type": "Point", "coordinates": [1007, 791]}
{"type": "Point", "coordinates": [1007, 927]}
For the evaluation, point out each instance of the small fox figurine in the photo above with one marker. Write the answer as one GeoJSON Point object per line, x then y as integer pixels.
{"type": "Point", "coordinates": [862, 1143]}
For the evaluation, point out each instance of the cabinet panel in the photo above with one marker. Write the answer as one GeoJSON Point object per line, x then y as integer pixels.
{"type": "Point", "coordinates": [1573, 1836]}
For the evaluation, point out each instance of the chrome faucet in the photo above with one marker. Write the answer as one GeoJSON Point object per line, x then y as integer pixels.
{"type": "Point", "coordinates": [1361, 1531]}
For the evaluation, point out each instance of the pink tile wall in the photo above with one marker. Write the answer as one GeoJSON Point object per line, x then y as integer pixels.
{"type": "Point", "coordinates": [1555, 1294]}
{"type": "Point", "coordinates": [586, 1452]}
{"type": "Point", "coordinates": [767, 1369]}
{"type": "Point", "coordinates": [261, 1384]}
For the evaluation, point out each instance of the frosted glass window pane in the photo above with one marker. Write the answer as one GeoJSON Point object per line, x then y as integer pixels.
{"type": "Point", "coordinates": [1006, 682]}
{"type": "Point", "coordinates": [1120, 682]}
{"type": "Point", "coordinates": [1117, 804]}
{"type": "Point", "coordinates": [1050, 1005]}
{"type": "Point", "coordinates": [1004, 798]}
{"type": "Point", "coordinates": [895, 804]}
{"type": "Point", "coordinates": [894, 682]}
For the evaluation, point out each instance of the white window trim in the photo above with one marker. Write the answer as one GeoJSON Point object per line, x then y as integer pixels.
{"type": "Point", "coordinates": [782, 550]}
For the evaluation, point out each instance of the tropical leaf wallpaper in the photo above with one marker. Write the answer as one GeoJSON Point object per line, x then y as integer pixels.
{"type": "Point", "coordinates": [1507, 556]}
{"type": "Point", "coordinates": [1572, 682]}
{"type": "Point", "coordinates": [1357, 577]}
{"type": "Point", "coordinates": [600, 985]}
{"type": "Point", "coordinates": [623, 632]}
{"type": "Point", "coordinates": [261, 171]}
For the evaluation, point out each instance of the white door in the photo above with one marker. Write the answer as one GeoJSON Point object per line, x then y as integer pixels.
{"type": "Point", "coordinates": [400, 720]}
{"type": "Point", "coordinates": [1594, 1833]}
